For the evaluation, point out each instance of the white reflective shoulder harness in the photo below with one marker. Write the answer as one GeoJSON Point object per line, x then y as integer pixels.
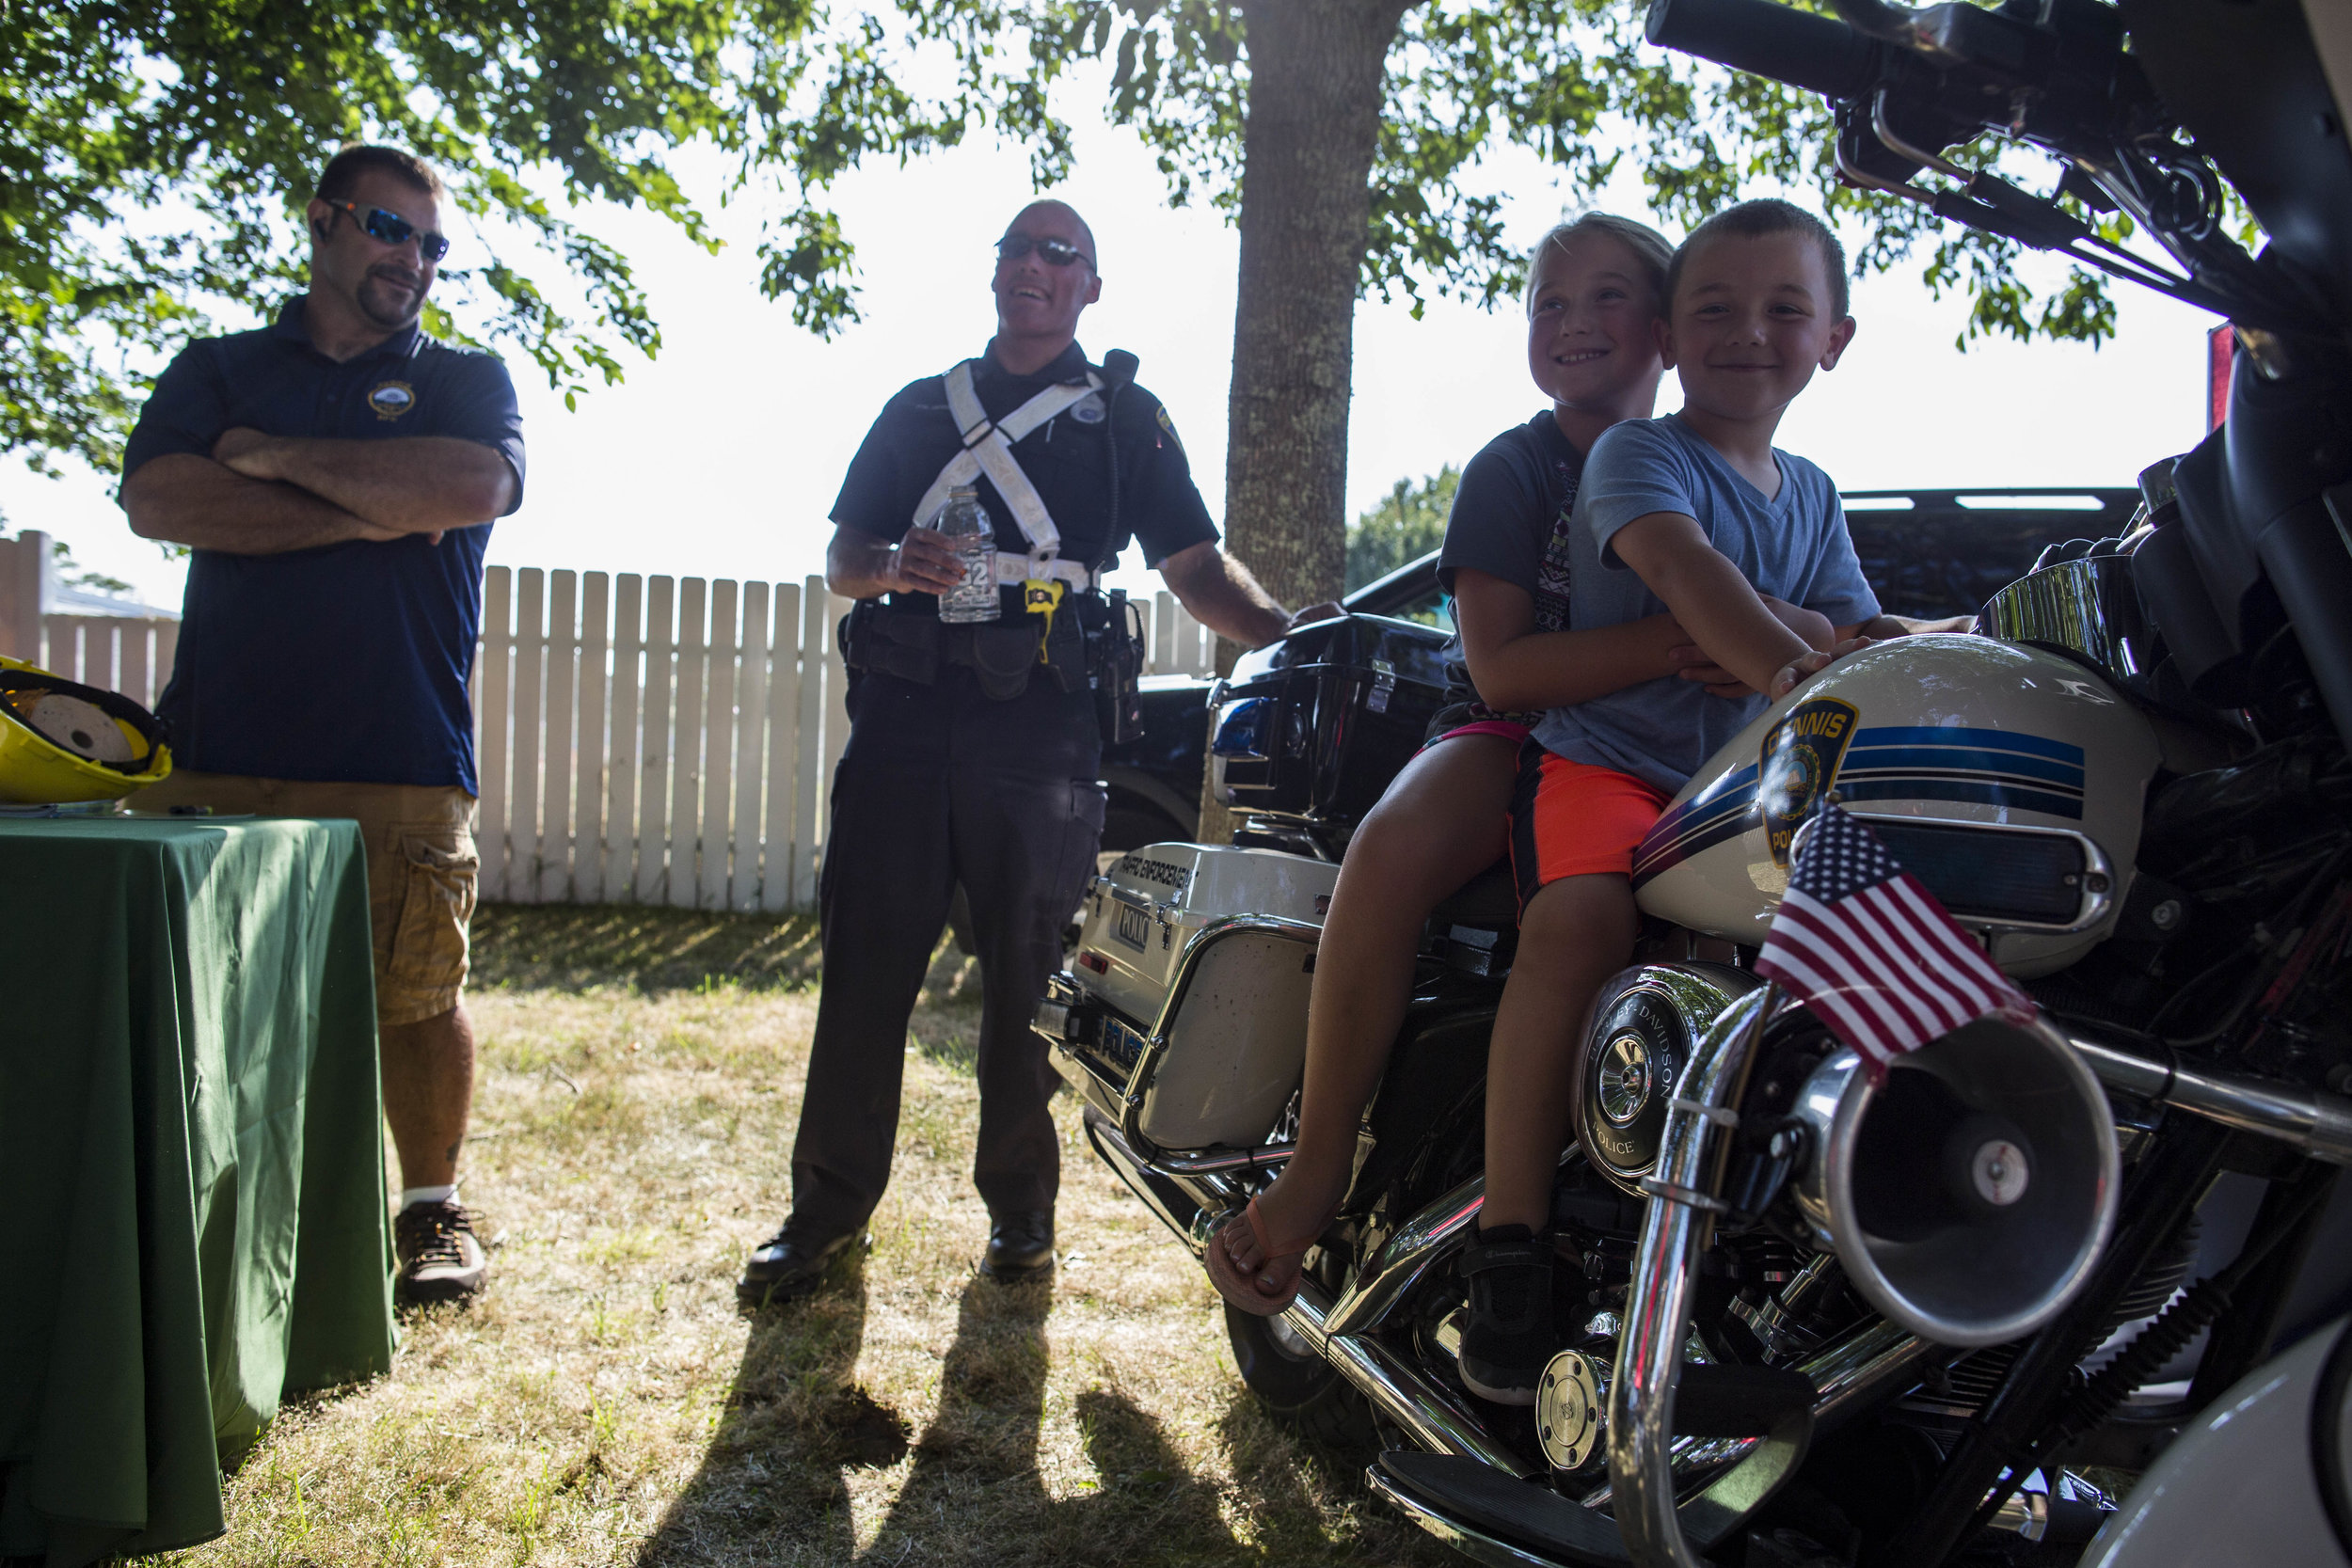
{"type": "Point", "coordinates": [988, 449]}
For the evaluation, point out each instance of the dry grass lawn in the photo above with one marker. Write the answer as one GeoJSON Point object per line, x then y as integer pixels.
{"type": "Point", "coordinates": [607, 1404]}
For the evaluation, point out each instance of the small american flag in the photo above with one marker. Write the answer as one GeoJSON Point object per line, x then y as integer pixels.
{"type": "Point", "coordinates": [1868, 949]}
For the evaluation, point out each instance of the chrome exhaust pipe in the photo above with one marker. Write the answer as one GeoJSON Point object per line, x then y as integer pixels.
{"type": "Point", "coordinates": [1133, 1169]}
{"type": "Point", "coordinates": [1419, 1244]}
{"type": "Point", "coordinates": [1433, 1418]}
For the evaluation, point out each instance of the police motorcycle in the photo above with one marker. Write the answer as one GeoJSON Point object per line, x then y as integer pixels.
{"type": "Point", "coordinates": [1813, 1316]}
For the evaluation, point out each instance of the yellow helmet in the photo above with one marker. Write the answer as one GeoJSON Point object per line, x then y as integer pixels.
{"type": "Point", "coordinates": [61, 741]}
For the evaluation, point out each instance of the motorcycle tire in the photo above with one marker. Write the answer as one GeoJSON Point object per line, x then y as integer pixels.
{"type": "Point", "coordinates": [1300, 1389]}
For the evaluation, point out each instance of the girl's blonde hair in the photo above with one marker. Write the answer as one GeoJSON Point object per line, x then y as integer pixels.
{"type": "Point", "coordinates": [1650, 248]}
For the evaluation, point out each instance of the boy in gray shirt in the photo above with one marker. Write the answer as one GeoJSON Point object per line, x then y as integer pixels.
{"type": "Point", "coordinates": [1699, 517]}
{"type": "Point", "coordinates": [1792, 545]}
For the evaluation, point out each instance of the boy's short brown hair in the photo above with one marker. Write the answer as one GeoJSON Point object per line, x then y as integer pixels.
{"type": "Point", "coordinates": [1650, 248]}
{"type": "Point", "coordinates": [1754, 221]}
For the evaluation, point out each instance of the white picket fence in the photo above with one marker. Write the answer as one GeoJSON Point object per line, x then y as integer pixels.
{"type": "Point", "coordinates": [672, 740]}
{"type": "Point", "coordinates": [129, 654]}
{"type": "Point", "coordinates": [122, 654]}
{"type": "Point", "coordinates": [639, 738]}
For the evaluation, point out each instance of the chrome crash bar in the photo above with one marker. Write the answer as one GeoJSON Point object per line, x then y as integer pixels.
{"type": "Point", "coordinates": [1650, 1347]}
{"type": "Point", "coordinates": [2315, 1123]}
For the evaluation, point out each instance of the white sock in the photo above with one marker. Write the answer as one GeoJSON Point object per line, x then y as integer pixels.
{"type": "Point", "coordinates": [411, 1196]}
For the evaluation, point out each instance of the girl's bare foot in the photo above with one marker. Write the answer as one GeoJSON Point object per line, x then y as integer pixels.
{"type": "Point", "coordinates": [1260, 1249]}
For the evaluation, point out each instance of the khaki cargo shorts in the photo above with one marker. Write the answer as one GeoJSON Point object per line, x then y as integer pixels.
{"type": "Point", "coordinates": [423, 870]}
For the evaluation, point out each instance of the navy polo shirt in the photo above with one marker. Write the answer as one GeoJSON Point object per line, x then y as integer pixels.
{"type": "Point", "coordinates": [1069, 458]}
{"type": "Point", "coordinates": [350, 661]}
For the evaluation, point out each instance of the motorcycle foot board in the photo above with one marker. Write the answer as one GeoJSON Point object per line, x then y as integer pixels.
{"type": "Point", "coordinates": [1517, 1521]}
{"type": "Point", "coordinates": [1470, 1542]}
{"type": "Point", "coordinates": [1532, 1524]}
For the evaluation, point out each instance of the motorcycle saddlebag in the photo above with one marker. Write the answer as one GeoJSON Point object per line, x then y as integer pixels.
{"type": "Point", "coordinates": [1229, 935]}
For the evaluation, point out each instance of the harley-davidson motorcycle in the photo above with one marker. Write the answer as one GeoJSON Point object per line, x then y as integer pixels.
{"type": "Point", "coordinates": [1822, 1317]}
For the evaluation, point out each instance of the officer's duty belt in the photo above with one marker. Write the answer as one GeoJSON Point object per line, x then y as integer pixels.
{"type": "Point", "coordinates": [1004, 655]}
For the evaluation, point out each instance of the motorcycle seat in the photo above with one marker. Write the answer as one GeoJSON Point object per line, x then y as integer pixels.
{"type": "Point", "coordinates": [1488, 900]}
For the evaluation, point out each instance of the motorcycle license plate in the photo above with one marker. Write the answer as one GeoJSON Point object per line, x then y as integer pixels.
{"type": "Point", "coordinates": [1135, 926]}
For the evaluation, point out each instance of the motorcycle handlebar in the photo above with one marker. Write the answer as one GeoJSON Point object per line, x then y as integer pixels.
{"type": "Point", "coordinates": [1816, 52]}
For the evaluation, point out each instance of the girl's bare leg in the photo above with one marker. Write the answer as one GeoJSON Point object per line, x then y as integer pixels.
{"type": "Point", "coordinates": [1442, 821]}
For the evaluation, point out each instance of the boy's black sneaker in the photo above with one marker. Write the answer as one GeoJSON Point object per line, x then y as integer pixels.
{"type": "Point", "coordinates": [1508, 1339]}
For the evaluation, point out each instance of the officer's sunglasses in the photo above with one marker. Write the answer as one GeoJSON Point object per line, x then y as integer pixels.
{"type": "Point", "coordinates": [1054, 253]}
{"type": "Point", "coordinates": [391, 228]}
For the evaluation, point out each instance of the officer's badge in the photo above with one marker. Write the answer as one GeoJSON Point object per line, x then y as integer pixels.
{"type": "Point", "coordinates": [1088, 409]}
{"type": "Point", "coordinates": [1169, 426]}
{"type": "Point", "coordinates": [392, 399]}
{"type": "Point", "coordinates": [1799, 765]}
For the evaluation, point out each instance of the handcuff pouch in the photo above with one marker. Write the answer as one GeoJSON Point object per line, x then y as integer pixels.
{"type": "Point", "coordinates": [1003, 654]}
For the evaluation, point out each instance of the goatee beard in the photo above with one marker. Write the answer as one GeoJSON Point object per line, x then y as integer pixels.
{"type": "Point", "coordinates": [404, 316]}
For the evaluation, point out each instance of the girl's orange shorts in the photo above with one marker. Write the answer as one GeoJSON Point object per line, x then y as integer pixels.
{"type": "Point", "coordinates": [1575, 819]}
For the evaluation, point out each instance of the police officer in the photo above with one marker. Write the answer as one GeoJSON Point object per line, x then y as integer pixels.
{"type": "Point", "coordinates": [335, 474]}
{"type": "Point", "coordinates": [974, 751]}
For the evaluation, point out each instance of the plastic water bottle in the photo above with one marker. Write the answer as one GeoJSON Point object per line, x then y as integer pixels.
{"type": "Point", "coordinates": [967, 527]}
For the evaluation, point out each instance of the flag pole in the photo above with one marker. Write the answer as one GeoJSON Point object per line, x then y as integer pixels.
{"type": "Point", "coordinates": [1774, 996]}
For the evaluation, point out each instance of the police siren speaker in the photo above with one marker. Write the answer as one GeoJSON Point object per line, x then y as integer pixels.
{"type": "Point", "coordinates": [1969, 1189]}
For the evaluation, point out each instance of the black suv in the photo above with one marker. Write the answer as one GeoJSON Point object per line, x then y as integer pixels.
{"type": "Point", "coordinates": [1929, 553]}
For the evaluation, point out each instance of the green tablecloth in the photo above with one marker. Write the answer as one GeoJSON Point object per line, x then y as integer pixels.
{"type": "Point", "coordinates": [191, 1163]}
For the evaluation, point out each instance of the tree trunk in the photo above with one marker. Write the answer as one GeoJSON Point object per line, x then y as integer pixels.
{"type": "Point", "coordinates": [1312, 127]}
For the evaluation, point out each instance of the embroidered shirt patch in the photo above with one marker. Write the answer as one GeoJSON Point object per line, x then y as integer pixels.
{"type": "Point", "coordinates": [392, 399]}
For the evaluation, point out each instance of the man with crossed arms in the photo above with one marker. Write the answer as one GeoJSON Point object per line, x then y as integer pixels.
{"type": "Point", "coordinates": [335, 475]}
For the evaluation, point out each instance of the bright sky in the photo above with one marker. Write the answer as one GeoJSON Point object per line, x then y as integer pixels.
{"type": "Point", "coordinates": [721, 456]}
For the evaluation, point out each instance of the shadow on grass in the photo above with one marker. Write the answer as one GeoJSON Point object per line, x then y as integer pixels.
{"type": "Point", "coordinates": [643, 947]}
{"type": "Point", "coordinates": [771, 1489]}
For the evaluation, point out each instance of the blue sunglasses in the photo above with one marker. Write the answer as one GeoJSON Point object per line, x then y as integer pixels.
{"type": "Point", "coordinates": [391, 228]}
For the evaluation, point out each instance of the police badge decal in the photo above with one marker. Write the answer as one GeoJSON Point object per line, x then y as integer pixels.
{"type": "Point", "coordinates": [1799, 765]}
{"type": "Point", "coordinates": [392, 399]}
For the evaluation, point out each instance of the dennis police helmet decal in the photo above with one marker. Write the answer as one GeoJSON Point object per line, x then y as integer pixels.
{"type": "Point", "coordinates": [1799, 765]}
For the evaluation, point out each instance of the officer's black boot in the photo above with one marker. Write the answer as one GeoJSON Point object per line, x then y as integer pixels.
{"type": "Point", "coordinates": [786, 1265]}
{"type": "Point", "coordinates": [1020, 1246]}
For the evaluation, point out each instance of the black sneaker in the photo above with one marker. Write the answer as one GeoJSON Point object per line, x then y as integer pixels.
{"type": "Point", "coordinates": [440, 1259]}
{"type": "Point", "coordinates": [1508, 1339]}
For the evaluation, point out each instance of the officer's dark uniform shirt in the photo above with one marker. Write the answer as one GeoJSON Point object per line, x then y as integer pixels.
{"type": "Point", "coordinates": [1067, 459]}
{"type": "Point", "coordinates": [349, 661]}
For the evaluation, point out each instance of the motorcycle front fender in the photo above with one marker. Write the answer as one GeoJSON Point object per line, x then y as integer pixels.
{"type": "Point", "coordinates": [2258, 1477]}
